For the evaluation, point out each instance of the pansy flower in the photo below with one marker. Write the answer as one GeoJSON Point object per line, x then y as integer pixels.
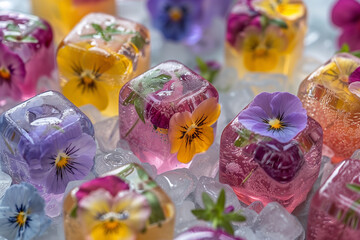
{"type": "Point", "coordinates": [285, 9]}
{"type": "Point", "coordinates": [346, 15]}
{"type": "Point", "coordinates": [12, 73]}
{"type": "Point", "coordinates": [185, 20]}
{"type": "Point", "coordinates": [112, 212]}
{"type": "Point", "coordinates": [88, 74]}
{"type": "Point", "coordinates": [22, 214]}
{"type": "Point", "coordinates": [191, 133]}
{"type": "Point", "coordinates": [262, 51]}
{"type": "Point", "coordinates": [65, 154]}
{"type": "Point", "coordinates": [278, 115]}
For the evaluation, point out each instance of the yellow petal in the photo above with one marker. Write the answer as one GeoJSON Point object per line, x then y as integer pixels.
{"type": "Point", "coordinates": [104, 230]}
{"type": "Point", "coordinates": [98, 61]}
{"type": "Point", "coordinates": [178, 126]}
{"type": "Point", "coordinates": [261, 61]}
{"type": "Point", "coordinates": [186, 152]}
{"type": "Point", "coordinates": [69, 61]}
{"type": "Point", "coordinates": [205, 139]}
{"type": "Point", "coordinates": [291, 11]}
{"type": "Point", "coordinates": [78, 96]}
{"type": "Point", "coordinates": [207, 113]}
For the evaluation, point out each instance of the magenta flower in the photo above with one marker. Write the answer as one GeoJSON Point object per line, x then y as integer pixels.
{"type": "Point", "coordinates": [278, 115]}
{"type": "Point", "coordinates": [205, 233]}
{"type": "Point", "coordinates": [354, 82]}
{"type": "Point", "coordinates": [111, 184]}
{"type": "Point", "coordinates": [346, 15]}
{"type": "Point", "coordinates": [12, 73]}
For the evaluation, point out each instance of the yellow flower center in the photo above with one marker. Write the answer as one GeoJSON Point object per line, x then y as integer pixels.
{"type": "Point", "coordinates": [111, 225]}
{"type": "Point", "coordinates": [275, 124]}
{"type": "Point", "coordinates": [260, 51]}
{"type": "Point", "coordinates": [21, 218]}
{"type": "Point", "coordinates": [61, 160]}
{"type": "Point", "coordinates": [88, 78]}
{"type": "Point", "coordinates": [5, 73]}
{"type": "Point", "coordinates": [191, 130]}
{"type": "Point", "coordinates": [175, 14]}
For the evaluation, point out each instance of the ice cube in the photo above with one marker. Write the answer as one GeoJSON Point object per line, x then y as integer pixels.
{"type": "Point", "coordinates": [207, 163]}
{"type": "Point", "coordinates": [178, 184]}
{"type": "Point", "coordinates": [5, 182]}
{"type": "Point", "coordinates": [107, 134]}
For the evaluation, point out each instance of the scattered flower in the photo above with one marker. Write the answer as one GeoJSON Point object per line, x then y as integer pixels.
{"type": "Point", "coordinates": [86, 76]}
{"type": "Point", "coordinates": [12, 73]}
{"type": "Point", "coordinates": [191, 133]}
{"type": "Point", "coordinates": [346, 15]}
{"type": "Point", "coordinates": [66, 154]}
{"type": "Point", "coordinates": [22, 214]}
{"type": "Point", "coordinates": [205, 233]}
{"type": "Point", "coordinates": [113, 217]}
{"type": "Point", "coordinates": [280, 8]}
{"type": "Point", "coordinates": [185, 20]}
{"type": "Point", "coordinates": [216, 213]}
{"type": "Point", "coordinates": [278, 115]}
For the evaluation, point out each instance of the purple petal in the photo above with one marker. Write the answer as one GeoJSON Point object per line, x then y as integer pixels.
{"type": "Point", "coordinates": [284, 104]}
{"type": "Point", "coordinates": [354, 88]}
{"type": "Point", "coordinates": [345, 12]}
{"type": "Point", "coordinates": [355, 76]}
{"type": "Point", "coordinates": [351, 36]}
{"type": "Point", "coordinates": [252, 116]}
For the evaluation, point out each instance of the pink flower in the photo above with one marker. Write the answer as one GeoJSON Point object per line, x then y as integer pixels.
{"type": "Point", "coordinates": [12, 73]}
{"type": "Point", "coordinates": [346, 15]}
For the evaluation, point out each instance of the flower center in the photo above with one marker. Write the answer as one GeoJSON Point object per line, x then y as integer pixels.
{"type": "Point", "coordinates": [175, 14]}
{"type": "Point", "coordinates": [260, 51]}
{"type": "Point", "coordinates": [21, 218]}
{"type": "Point", "coordinates": [191, 130]}
{"type": "Point", "coordinates": [5, 73]}
{"type": "Point", "coordinates": [275, 124]}
{"type": "Point", "coordinates": [87, 78]}
{"type": "Point", "coordinates": [61, 160]}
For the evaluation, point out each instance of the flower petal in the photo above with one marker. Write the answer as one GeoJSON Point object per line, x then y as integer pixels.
{"type": "Point", "coordinates": [123, 233]}
{"type": "Point", "coordinates": [205, 139]}
{"type": "Point", "coordinates": [137, 207]}
{"type": "Point", "coordinates": [354, 76]}
{"type": "Point", "coordinates": [350, 35]}
{"type": "Point", "coordinates": [207, 112]}
{"type": "Point", "coordinates": [283, 104]}
{"type": "Point", "coordinates": [345, 12]}
{"type": "Point", "coordinates": [179, 123]}
{"type": "Point", "coordinates": [186, 152]}
{"type": "Point", "coordinates": [69, 61]}
{"type": "Point", "coordinates": [354, 88]}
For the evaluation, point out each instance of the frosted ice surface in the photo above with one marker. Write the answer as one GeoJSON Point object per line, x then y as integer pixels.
{"type": "Point", "coordinates": [107, 134]}
{"type": "Point", "coordinates": [5, 182]}
{"type": "Point", "coordinates": [178, 184]}
{"type": "Point", "coordinates": [206, 164]}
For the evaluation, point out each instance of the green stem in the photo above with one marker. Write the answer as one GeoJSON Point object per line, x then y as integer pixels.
{"type": "Point", "coordinates": [132, 128]}
{"type": "Point", "coordinates": [248, 176]}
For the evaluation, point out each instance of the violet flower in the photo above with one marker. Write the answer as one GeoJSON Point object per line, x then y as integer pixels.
{"type": "Point", "coordinates": [346, 15]}
{"type": "Point", "coordinates": [12, 73]}
{"type": "Point", "coordinates": [185, 20]}
{"type": "Point", "coordinates": [354, 82]}
{"type": "Point", "coordinates": [205, 233]}
{"type": "Point", "coordinates": [22, 214]}
{"type": "Point", "coordinates": [278, 115]}
{"type": "Point", "coordinates": [62, 153]}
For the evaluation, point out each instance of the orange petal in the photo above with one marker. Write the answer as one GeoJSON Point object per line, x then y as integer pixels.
{"type": "Point", "coordinates": [207, 113]}
{"type": "Point", "coordinates": [205, 139]}
{"type": "Point", "coordinates": [186, 152]}
{"type": "Point", "coordinates": [179, 123]}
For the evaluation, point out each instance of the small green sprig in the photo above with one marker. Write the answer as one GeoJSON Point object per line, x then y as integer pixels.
{"type": "Point", "coordinates": [345, 48]}
{"type": "Point", "coordinates": [351, 218]}
{"type": "Point", "coordinates": [217, 214]}
{"type": "Point", "coordinates": [106, 34]}
{"type": "Point", "coordinates": [16, 35]}
{"type": "Point", "coordinates": [265, 21]}
{"type": "Point", "coordinates": [205, 71]}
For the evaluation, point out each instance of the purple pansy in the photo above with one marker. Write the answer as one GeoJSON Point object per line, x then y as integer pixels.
{"type": "Point", "coordinates": [62, 153]}
{"type": "Point", "coordinates": [278, 115]}
{"type": "Point", "coordinates": [185, 20]}
{"type": "Point", "coordinates": [346, 15]}
{"type": "Point", "coordinates": [12, 73]}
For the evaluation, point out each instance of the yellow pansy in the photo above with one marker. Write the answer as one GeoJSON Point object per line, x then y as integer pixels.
{"type": "Point", "coordinates": [262, 51]}
{"type": "Point", "coordinates": [118, 217]}
{"type": "Point", "coordinates": [286, 9]}
{"type": "Point", "coordinates": [89, 74]}
{"type": "Point", "coordinates": [191, 133]}
{"type": "Point", "coordinates": [335, 76]}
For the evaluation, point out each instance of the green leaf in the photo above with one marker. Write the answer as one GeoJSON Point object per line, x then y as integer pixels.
{"type": "Point", "coordinates": [264, 22]}
{"type": "Point", "coordinates": [235, 217]}
{"type": "Point", "coordinates": [13, 27]}
{"type": "Point", "coordinates": [29, 39]}
{"type": "Point", "coordinates": [279, 22]}
{"type": "Point", "coordinates": [356, 54]}
{"type": "Point", "coordinates": [201, 65]}
{"type": "Point", "coordinates": [139, 107]}
{"type": "Point", "coordinates": [208, 202]}
{"type": "Point", "coordinates": [138, 41]}
{"type": "Point", "coordinates": [221, 201]}
{"type": "Point", "coordinates": [345, 48]}
{"type": "Point", "coordinates": [142, 174]}
{"type": "Point", "coordinates": [157, 213]}
{"type": "Point", "coordinates": [227, 227]}
{"type": "Point", "coordinates": [353, 187]}
{"type": "Point", "coordinates": [73, 212]}
{"type": "Point", "coordinates": [97, 27]}
{"type": "Point", "coordinates": [201, 214]}
{"type": "Point", "coordinates": [130, 99]}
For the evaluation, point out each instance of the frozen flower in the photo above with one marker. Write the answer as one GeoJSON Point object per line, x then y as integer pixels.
{"type": "Point", "coordinates": [12, 73]}
{"type": "Point", "coordinates": [191, 133]}
{"type": "Point", "coordinates": [278, 115]}
{"type": "Point", "coordinates": [22, 215]}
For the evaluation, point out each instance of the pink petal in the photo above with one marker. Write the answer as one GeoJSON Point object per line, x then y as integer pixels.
{"type": "Point", "coordinates": [355, 76]}
{"type": "Point", "coordinates": [345, 12]}
{"type": "Point", "coordinates": [354, 88]}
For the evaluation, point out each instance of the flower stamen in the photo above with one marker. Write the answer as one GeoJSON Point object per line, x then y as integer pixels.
{"type": "Point", "coordinates": [276, 124]}
{"type": "Point", "coordinates": [175, 14]}
{"type": "Point", "coordinates": [21, 218]}
{"type": "Point", "coordinates": [5, 73]}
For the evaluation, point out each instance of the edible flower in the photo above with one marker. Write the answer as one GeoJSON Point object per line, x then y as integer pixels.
{"type": "Point", "coordinates": [191, 133]}
{"type": "Point", "coordinates": [278, 115]}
